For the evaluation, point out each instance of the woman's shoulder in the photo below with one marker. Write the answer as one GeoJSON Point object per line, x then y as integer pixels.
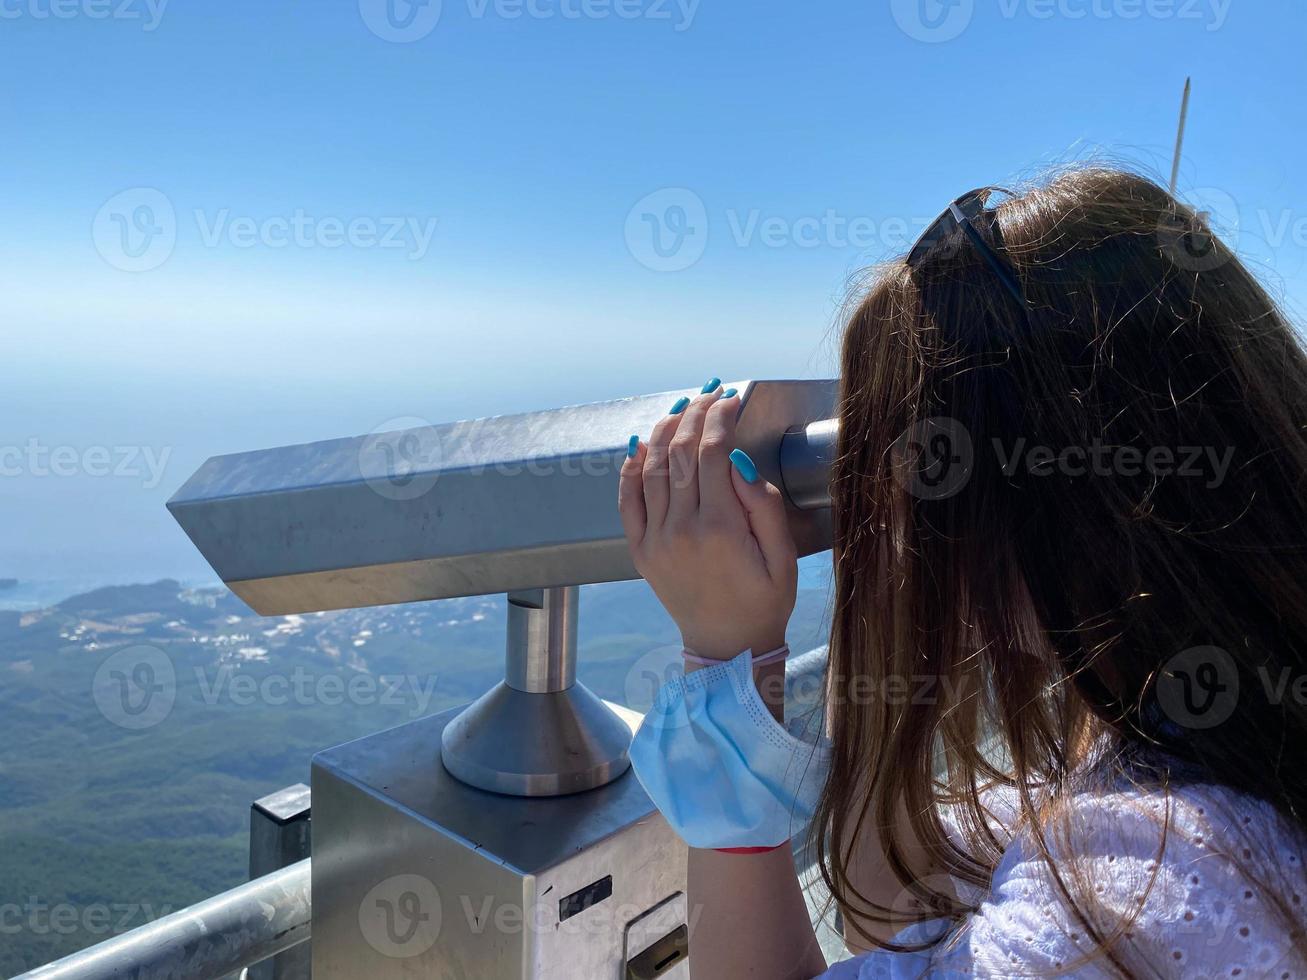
{"type": "Point", "coordinates": [1173, 850]}
{"type": "Point", "coordinates": [1185, 879]}
{"type": "Point", "coordinates": [1186, 876]}
{"type": "Point", "coordinates": [1179, 820]}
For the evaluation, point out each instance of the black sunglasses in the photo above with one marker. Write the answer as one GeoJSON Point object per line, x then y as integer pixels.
{"type": "Point", "coordinates": [962, 213]}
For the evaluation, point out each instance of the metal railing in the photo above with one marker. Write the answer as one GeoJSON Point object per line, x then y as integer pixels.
{"type": "Point", "coordinates": [214, 938]}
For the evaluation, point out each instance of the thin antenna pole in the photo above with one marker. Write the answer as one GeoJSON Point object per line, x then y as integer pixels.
{"type": "Point", "coordinates": [1179, 136]}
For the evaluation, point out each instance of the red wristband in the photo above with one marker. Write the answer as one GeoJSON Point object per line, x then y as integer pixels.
{"type": "Point", "coordinates": [750, 850]}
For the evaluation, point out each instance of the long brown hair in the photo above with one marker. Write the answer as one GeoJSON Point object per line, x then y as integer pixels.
{"type": "Point", "coordinates": [1022, 518]}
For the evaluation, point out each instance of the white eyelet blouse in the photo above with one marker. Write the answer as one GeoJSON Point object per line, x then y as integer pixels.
{"type": "Point", "coordinates": [1202, 918]}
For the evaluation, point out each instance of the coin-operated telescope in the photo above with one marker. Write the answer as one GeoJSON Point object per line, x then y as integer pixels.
{"type": "Point", "coordinates": [505, 838]}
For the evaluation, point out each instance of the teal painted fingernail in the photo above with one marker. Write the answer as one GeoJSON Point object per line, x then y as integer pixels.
{"type": "Point", "coordinates": [632, 447]}
{"type": "Point", "coordinates": [729, 393]}
{"type": "Point", "coordinates": [712, 385]}
{"type": "Point", "coordinates": [741, 461]}
{"type": "Point", "coordinates": [679, 407]}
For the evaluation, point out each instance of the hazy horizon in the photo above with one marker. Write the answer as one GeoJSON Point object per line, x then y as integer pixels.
{"type": "Point", "coordinates": [195, 260]}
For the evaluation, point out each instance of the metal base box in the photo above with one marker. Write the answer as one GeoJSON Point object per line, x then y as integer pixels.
{"type": "Point", "coordinates": [416, 874]}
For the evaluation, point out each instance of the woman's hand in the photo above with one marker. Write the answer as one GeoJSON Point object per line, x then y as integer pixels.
{"type": "Point", "coordinates": [712, 540]}
{"type": "Point", "coordinates": [707, 533]}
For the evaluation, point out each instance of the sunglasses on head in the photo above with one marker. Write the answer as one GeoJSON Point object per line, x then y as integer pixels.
{"type": "Point", "coordinates": [962, 213]}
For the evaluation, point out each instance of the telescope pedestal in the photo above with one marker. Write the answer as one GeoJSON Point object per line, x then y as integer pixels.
{"type": "Point", "coordinates": [504, 839]}
{"type": "Point", "coordinates": [538, 732]}
{"type": "Point", "coordinates": [508, 741]}
{"type": "Point", "coordinates": [418, 874]}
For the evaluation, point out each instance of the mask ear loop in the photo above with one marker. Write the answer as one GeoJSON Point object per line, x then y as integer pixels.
{"type": "Point", "coordinates": [780, 653]}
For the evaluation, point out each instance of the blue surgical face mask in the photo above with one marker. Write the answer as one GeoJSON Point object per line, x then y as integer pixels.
{"type": "Point", "coordinates": [720, 768]}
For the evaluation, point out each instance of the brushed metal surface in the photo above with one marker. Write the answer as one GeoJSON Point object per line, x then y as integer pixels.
{"type": "Point", "coordinates": [468, 508]}
{"type": "Point", "coordinates": [540, 655]}
{"type": "Point", "coordinates": [509, 741]}
{"type": "Point", "coordinates": [388, 817]}
{"type": "Point", "coordinates": [539, 732]}
{"type": "Point", "coordinates": [807, 455]}
{"type": "Point", "coordinates": [280, 835]}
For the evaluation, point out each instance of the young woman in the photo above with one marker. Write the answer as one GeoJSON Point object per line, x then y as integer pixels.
{"type": "Point", "coordinates": [1066, 713]}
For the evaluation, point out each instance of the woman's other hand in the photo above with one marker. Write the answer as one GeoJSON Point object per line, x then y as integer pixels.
{"type": "Point", "coordinates": [707, 532]}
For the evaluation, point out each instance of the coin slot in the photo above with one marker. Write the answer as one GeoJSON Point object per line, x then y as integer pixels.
{"type": "Point", "coordinates": [661, 956]}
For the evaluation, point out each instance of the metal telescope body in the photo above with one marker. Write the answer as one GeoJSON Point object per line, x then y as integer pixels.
{"type": "Point", "coordinates": [469, 508]}
{"type": "Point", "coordinates": [522, 801]}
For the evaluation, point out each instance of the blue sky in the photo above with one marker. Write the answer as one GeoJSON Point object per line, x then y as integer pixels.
{"type": "Point", "coordinates": [250, 223]}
